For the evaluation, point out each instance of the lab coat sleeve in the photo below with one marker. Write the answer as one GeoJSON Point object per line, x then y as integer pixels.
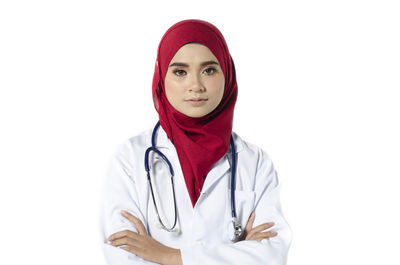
{"type": "Point", "coordinates": [271, 251]}
{"type": "Point", "coordinates": [119, 193]}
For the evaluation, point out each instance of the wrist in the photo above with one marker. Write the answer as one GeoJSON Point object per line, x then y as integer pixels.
{"type": "Point", "coordinates": [172, 257]}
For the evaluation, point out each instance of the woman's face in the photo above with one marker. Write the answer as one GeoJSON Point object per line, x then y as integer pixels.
{"type": "Point", "coordinates": [194, 83]}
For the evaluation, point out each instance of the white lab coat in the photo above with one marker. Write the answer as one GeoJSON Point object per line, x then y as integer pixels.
{"type": "Point", "coordinates": [206, 230]}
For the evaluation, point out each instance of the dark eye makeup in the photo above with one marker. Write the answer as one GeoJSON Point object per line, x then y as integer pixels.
{"type": "Point", "coordinates": [179, 72]}
{"type": "Point", "coordinates": [210, 70]}
{"type": "Point", "coordinates": [207, 71]}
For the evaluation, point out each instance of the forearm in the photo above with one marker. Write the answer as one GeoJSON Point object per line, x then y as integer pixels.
{"type": "Point", "coordinates": [173, 257]}
{"type": "Point", "coordinates": [114, 255]}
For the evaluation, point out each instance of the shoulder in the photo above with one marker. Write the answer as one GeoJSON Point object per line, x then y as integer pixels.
{"type": "Point", "coordinates": [131, 149]}
{"type": "Point", "coordinates": [255, 165]}
{"type": "Point", "coordinates": [248, 149]}
{"type": "Point", "coordinates": [253, 160]}
{"type": "Point", "coordinates": [135, 142]}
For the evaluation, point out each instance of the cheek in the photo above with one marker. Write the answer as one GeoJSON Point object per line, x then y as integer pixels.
{"type": "Point", "coordinates": [171, 89]}
{"type": "Point", "coordinates": [175, 91]}
{"type": "Point", "coordinates": [216, 87]}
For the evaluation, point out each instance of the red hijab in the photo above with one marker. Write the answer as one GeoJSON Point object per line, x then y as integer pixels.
{"type": "Point", "coordinates": [199, 142]}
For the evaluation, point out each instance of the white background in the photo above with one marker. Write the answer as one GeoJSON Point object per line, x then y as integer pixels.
{"type": "Point", "coordinates": [318, 90]}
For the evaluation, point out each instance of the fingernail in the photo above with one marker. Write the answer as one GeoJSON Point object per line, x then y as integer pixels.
{"type": "Point", "coordinates": [123, 212]}
{"type": "Point", "coordinates": [274, 233]}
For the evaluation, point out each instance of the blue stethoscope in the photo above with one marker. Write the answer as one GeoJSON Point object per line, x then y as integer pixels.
{"type": "Point", "coordinates": [236, 226]}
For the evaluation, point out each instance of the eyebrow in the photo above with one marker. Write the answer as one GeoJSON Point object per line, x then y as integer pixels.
{"type": "Point", "coordinates": [186, 65]}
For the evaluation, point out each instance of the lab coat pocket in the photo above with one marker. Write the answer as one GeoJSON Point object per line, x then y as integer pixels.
{"type": "Point", "coordinates": [244, 201]}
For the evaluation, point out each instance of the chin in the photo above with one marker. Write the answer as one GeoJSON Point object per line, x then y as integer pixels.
{"type": "Point", "coordinates": [195, 114]}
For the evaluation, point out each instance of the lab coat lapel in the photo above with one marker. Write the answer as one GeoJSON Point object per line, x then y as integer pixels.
{"type": "Point", "coordinates": [219, 170]}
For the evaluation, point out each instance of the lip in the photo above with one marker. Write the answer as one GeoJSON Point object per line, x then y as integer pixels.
{"type": "Point", "coordinates": [196, 101]}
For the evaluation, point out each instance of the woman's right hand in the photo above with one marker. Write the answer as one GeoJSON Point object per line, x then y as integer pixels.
{"type": "Point", "coordinates": [257, 233]}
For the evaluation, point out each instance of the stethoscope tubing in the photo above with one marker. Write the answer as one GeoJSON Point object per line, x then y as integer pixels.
{"type": "Point", "coordinates": [153, 148]}
{"type": "Point", "coordinates": [233, 178]}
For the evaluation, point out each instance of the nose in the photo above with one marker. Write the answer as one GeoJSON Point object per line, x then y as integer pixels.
{"type": "Point", "coordinates": [196, 84]}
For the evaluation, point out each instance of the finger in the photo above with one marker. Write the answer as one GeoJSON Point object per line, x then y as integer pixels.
{"type": "Point", "coordinates": [121, 234]}
{"type": "Point", "coordinates": [123, 241]}
{"type": "Point", "coordinates": [265, 235]}
{"type": "Point", "coordinates": [250, 222]}
{"type": "Point", "coordinates": [136, 221]}
{"type": "Point", "coordinates": [260, 228]}
{"type": "Point", "coordinates": [131, 249]}
{"type": "Point", "coordinates": [263, 226]}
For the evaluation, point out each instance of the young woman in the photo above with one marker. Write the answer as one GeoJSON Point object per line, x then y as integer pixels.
{"type": "Point", "coordinates": [191, 191]}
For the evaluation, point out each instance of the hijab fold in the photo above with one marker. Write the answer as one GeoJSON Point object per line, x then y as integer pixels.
{"type": "Point", "coordinates": [199, 142]}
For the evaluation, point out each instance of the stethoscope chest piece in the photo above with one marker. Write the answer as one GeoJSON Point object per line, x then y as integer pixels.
{"type": "Point", "coordinates": [237, 228]}
{"type": "Point", "coordinates": [234, 231]}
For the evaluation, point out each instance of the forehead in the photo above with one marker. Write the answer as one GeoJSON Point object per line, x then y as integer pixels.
{"type": "Point", "coordinates": [193, 52]}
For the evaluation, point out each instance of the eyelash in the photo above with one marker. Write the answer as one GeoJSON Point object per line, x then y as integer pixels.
{"type": "Point", "coordinates": [211, 68]}
{"type": "Point", "coordinates": [180, 72]}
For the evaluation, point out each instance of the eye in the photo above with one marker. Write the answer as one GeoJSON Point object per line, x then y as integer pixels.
{"type": "Point", "coordinates": [179, 72]}
{"type": "Point", "coordinates": [210, 70]}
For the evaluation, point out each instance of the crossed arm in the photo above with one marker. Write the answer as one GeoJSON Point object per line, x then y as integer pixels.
{"type": "Point", "coordinates": [147, 248]}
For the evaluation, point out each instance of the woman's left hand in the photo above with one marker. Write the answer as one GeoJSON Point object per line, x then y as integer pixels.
{"type": "Point", "coordinates": [143, 245]}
